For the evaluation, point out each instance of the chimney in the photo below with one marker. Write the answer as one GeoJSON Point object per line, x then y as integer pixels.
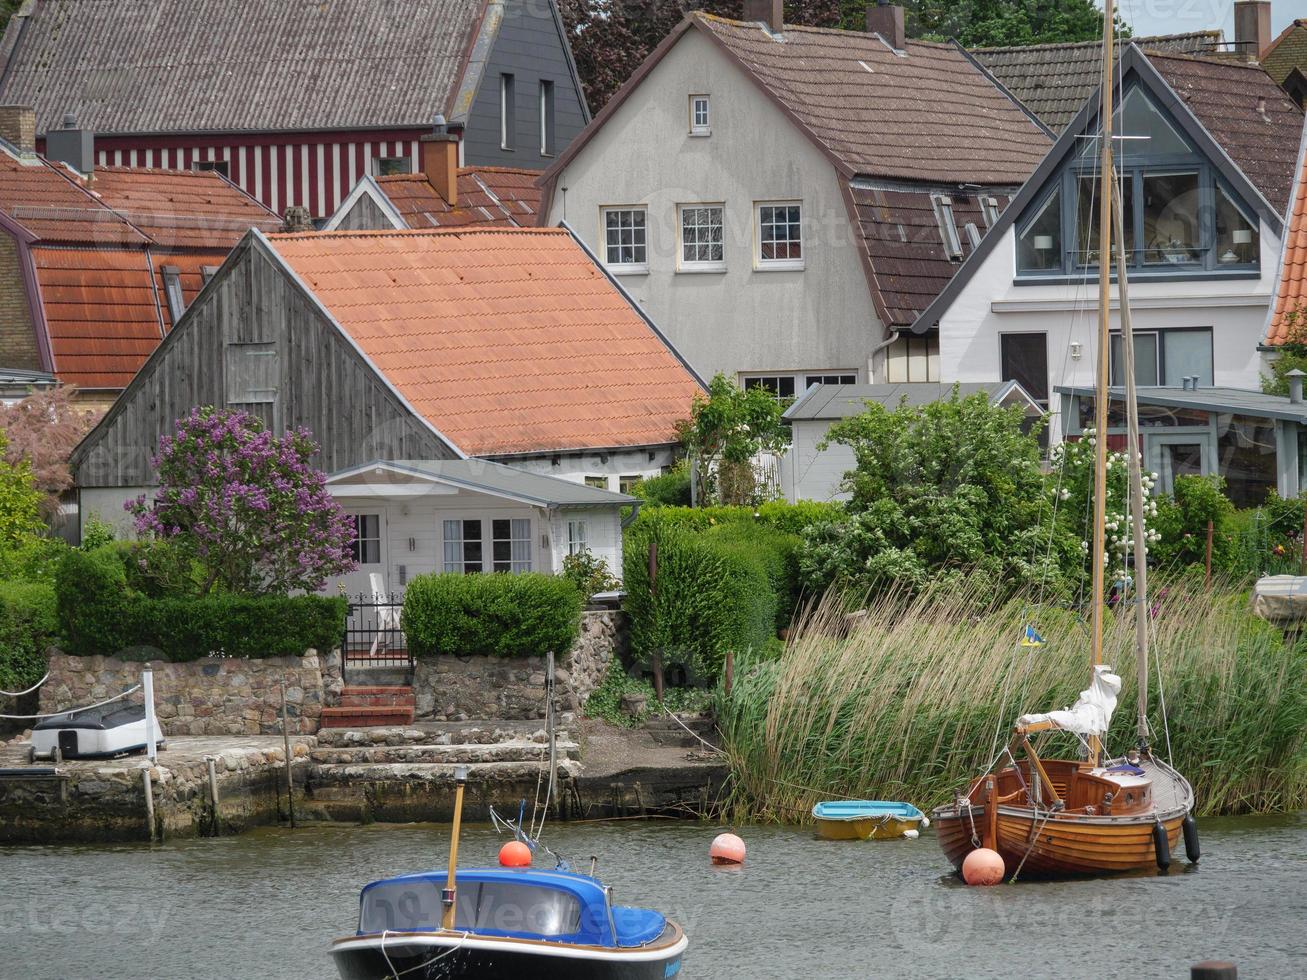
{"type": "Point", "coordinates": [70, 145]}
{"type": "Point", "coordinates": [886, 19]}
{"type": "Point", "coordinates": [18, 126]}
{"type": "Point", "coordinates": [1252, 27]}
{"type": "Point", "coordinates": [296, 219]}
{"type": "Point", "coordinates": [1295, 385]}
{"type": "Point", "coordinates": [769, 12]}
{"type": "Point", "coordinates": [439, 150]}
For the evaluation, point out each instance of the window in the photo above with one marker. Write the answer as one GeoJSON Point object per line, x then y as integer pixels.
{"type": "Point", "coordinates": [780, 236]}
{"type": "Point", "coordinates": [1237, 240]}
{"type": "Point", "coordinates": [626, 243]}
{"type": "Point", "coordinates": [625, 484]}
{"type": "Point", "coordinates": [780, 385]}
{"type": "Point", "coordinates": [463, 546]}
{"type": "Point", "coordinates": [1170, 206]}
{"type": "Point", "coordinates": [1246, 456]}
{"type": "Point", "coordinates": [507, 113]}
{"type": "Point", "coordinates": [699, 119]}
{"type": "Point", "coordinates": [366, 546]}
{"type": "Point", "coordinates": [1039, 243]}
{"type": "Point", "coordinates": [576, 537]}
{"type": "Point", "coordinates": [1023, 358]}
{"type": "Point", "coordinates": [172, 289]}
{"type": "Point", "coordinates": [1088, 211]}
{"type": "Point", "coordinates": [219, 166]}
{"type": "Point", "coordinates": [388, 166]}
{"type": "Point", "coordinates": [948, 228]}
{"type": "Point", "coordinates": [829, 379]}
{"type": "Point", "coordinates": [989, 209]}
{"type": "Point", "coordinates": [546, 118]}
{"type": "Point", "coordinates": [251, 372]}
{"type": "Point", "coordinates": [207, 272]}
{"type": "Point", "coordinates": [511, 544]}
{"type": "Point", "coordinates": [913, 358]}
{"type": "Point", "coordinates": [495, 906]}
{"type": "Point", "coordinates": [1167, 357]}
{"type": "Point", "coordinates": [702, 249]}
{"type": "Point", "coordinates": [598, 482]}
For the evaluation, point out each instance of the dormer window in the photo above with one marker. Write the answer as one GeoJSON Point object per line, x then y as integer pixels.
{"type": "Point", "coordinates": [948, 228]}
{"type": "Point", "coordinates": [700, 120]}
{"type": "Point", "coordinates": [989, 209]}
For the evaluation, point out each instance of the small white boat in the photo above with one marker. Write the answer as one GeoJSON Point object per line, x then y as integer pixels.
{"type": "Point", "coordinates": [93, 733]}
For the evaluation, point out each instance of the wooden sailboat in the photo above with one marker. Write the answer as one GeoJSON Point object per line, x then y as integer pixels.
{"type": "Point", "coordinates": [1095, 815]}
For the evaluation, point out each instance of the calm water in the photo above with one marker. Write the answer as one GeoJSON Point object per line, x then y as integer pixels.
{"type": "Point", "coordinates": [267, 904]}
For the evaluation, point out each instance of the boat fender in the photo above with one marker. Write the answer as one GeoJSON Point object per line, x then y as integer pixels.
{"type": "Point", "coordinates": [1191, 850]}
{"type": "Point", "coordinates": [983, 867]}
{"type": "Point", "coordinates": [727, 849]}
{"type": "Point", "coordinates": [1161, 846]}
{"type": "Point", "coordinates": [925, 822]}
{"type": "Point", "coordinates": [911, 834]}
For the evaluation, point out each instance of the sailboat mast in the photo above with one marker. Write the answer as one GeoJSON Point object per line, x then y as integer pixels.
{"type": "Point", "coordinates": [1104, 357]}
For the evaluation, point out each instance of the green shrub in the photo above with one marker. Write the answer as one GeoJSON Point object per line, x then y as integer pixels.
{"type": "Point", "coordinates": [32, 560]}
{"type": "Point", "coordinates": [589, 573]}
{"type": "Point", "coordinates": [93, 601]}
{"type": "Point", "coordinates": [1182, 522]}
{"type": "Point", "coordinates": [605, 701]}
{"type": "Point", "coordinates": [28, 624]}
{"type": "Point", "coordinates": [774, 514]}
{"type": "Point", "coordinates": [672, 489]}
{"type": "Point", "coordinates": [493, 615]}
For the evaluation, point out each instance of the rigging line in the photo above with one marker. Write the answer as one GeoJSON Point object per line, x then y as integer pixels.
{"type": "Point", "coordinates": [69, 711]}
{"type": "Point", "coordinates": [19, 694]}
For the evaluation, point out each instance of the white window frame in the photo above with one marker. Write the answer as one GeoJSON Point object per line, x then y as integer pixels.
{"type": "Point", "coordinates": [576, 537]}
{"type": "Point", "coordinates": [624, 268]}
{"type": "Point", "coordinates": [811, 378]}
{"type": "Point", "coordinates": [361, 538]}
{"type": "Point", "coordinates": [404, 159]}
{"type": "Point", "coordinates": [460, 566]}
{"type": "Point", "coordinates": [776, 265]}
{"type": "Point", "coordinates": [517, 535]}
{"type": "Point", "coordinates": [699, 265]}
{"type": "Point", "coordinates": [546, 97]}
{"type": "Point", "coordinates": [989, 209]}
{"type": "Point", "coordinates": [776, 376]}
{"type": "Point", "coordinates": [697, 127]}
{"type": "Point", "coordinates": [507, 110]}
{"type": "Point", "coordinates": [172, 291]}
{"type": "Point", "coordinates": [948, 227]}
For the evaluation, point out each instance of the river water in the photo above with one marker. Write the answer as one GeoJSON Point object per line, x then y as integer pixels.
{"type": "Point", "coordinates": [267, 904]}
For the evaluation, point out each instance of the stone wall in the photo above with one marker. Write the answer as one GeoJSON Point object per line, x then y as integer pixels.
{"type": "Point", "coordinates": [480, 688]}
{"type": "Point", "coordinates": [213, 696]}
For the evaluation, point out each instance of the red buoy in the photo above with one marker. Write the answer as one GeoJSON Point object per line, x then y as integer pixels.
{"type": "Point", "coordinates": [515, 854]}
{"type": "Point", "coordinates": [727, 849]}
{"type": "Point", "coordinates": [983, 867]}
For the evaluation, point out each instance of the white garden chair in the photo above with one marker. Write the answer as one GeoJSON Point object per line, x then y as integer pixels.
{"type": "Point", "coordinates": [387, 615]}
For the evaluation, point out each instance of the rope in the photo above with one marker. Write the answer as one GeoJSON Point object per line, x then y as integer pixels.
{"type": "Point", "coordinates": [1034, 838]}
{"type": "Point", "coordinates": [425, 963]}
{"type": "Point", "coordinates": [19, 694]}
{"type": "Point", "coordinates": [707, 745]}
{"type": "Point", "coordinates": [69, 711]}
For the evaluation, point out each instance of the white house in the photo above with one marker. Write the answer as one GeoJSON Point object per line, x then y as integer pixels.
{"type": "Point", "coordinates": [784, 200]}
{"type": "Point", "coordinates": [1207, 160]}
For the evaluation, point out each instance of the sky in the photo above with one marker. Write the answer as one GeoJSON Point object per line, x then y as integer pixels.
{"type": "Point", "coordinates": [1178, 16]}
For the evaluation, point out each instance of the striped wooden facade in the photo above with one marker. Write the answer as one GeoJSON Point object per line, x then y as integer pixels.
{"type": "Point", "coordinates": [313, 170]}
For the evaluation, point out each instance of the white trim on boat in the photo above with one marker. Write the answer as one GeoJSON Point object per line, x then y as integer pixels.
{"type": "Point", "coordinates": [395, 940]}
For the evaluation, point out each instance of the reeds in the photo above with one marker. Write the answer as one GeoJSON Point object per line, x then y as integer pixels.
{"type": "Point", "coordinates": [914, 700]}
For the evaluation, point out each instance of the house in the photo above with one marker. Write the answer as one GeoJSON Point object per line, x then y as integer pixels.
{"type": "Point", "coordinates": [808, 472]}
{"type": "Point", "coordinates": [504, 344]}
{"type": "Point", "coordinates": [296, 102]}
{"type": "Point", "coordinates": [784, 201]}
{"type": "Point", "coordinates": [1287, 321]}
{"type": "Point", "coordinates": [1208, 159]}
{"type": "Point", "coordinates": [469, 515]}
{"type": "Point", "coordinates": [95, 268]}
{"type": "Point", "coordinates": [1285, 60]}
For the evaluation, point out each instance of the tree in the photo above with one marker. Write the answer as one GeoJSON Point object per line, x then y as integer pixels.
{"type": "Point", "coordinates": [1290, 354]}
{"type": "Point", "coordinates": [20, 518]}
{"type": "Point", "coordinates": [1001, 23]}
{"type": "Point", "coordinates": [246, 507]}
{"type": "Point", "coordinates": [43, 429]}
{"type": "Point", "coordinates": [726, 431]}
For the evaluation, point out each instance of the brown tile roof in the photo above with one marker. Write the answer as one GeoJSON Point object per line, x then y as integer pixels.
{"type": "Point", "coordinates": [1054, 81]}
{"type": "Point", "coordinates": [182, 208]}
{"type": "Point", "coordinates": [493, 196]}
{"type": "Point", "coordinates": [1245, 112]}
{"type": "Point", "coordinates": [930, 115]}
{"type": "Point", "coordinates": [50, 204]}
{"type": "Point", "coordinates": [1287, 52]}
{"type": "Point", "coordinates": [507, 340]}
{"type": "Point", "coordinates": [1289, 314]}
{"type": "Point", "coordinates": [167, 66]}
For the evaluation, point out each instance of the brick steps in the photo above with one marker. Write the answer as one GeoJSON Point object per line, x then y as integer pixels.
{"type": "Point", "coordinates": [366, 716]}
{"type": "Point", "coordinates": [377, 697]}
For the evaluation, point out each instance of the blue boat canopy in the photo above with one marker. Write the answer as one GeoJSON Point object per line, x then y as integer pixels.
{"type": "Point", "coordinates": [521, 903]}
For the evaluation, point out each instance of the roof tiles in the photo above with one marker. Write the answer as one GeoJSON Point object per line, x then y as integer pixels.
{"type": "Point", "coordinates": [1289, 316]}
{"type": "Point", "coordinates": [507, 340]}
{"type": "Point", "coordinates": [1287, 52]}
{"type": "Point", "coordinates": [488, 196]}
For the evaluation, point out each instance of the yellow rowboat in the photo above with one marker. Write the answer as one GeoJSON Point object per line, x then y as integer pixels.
{"type": "Point", "coordinates": [867, 820]}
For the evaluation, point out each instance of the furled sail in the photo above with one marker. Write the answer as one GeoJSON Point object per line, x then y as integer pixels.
{"type": "Point", "coordinates": [1092, 712]}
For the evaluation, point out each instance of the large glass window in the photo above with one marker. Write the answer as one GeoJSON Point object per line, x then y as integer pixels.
{"type": "Point", "coordinates": [511, 544]}
{"type": "Point", "coordinates": [1167, 357]}
{"type": "Point", "coordinates": [1171, 233]}
{"type": "Point", "coordinates": [1237, 240]}
{"type": "Point", "coordinates": [1246, 449]}
{"type": "Point", "coordinates": [1023, 358]}
{"type": "Point", "coordinates": [1039, 243]}
{"type": "Point", "coordinates": [1089, 204]}
{"type": "Point", "coordinates": [463, 546]}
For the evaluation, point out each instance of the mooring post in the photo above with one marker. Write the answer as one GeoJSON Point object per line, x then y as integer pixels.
{"type": "Point", "coordinates": [1213, 970]}
{"type": "Point", "coordinates": [151, 745]}
{"type": "Point", "coordinates": [551, 728]}
{"type": "Point", "coordinates": [213, 788]}
{"type": "Point", "coordinates": [285, 741]}
{"type": "Point", "coordinates": [149, 804]}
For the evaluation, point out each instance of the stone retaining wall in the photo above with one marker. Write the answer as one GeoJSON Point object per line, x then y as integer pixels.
{"type": "Point", "coordinates": [213, 696]}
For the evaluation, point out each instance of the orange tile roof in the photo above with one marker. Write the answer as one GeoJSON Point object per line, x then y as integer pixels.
{"type": "Point", "coordinates": [182, 208]}
{"type": "Point", "coordinates": [100, 311]}
{"type": "Point", "coordinates": [488, 196]}
{"type": "Point", "coordinates": [507, 340]}
{"type": "Point", "coordinates": [1289, 316]}
{"type": "Point", "coordinates": [51, 205]}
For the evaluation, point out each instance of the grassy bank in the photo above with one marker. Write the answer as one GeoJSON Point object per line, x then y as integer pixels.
{"type": "Point", "coordinates": [910, 704]}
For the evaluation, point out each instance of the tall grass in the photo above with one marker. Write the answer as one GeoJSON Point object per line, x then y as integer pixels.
{"type": "Point", "coordinates": [910, 702]}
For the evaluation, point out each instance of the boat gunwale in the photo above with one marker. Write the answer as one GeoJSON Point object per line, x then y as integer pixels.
{"type": "Point", "coordinates": [1062, 818]}
{"type": "Point", "coordinates": [549, 946]}
{"type": "Point", "coordinates": [913, 816]}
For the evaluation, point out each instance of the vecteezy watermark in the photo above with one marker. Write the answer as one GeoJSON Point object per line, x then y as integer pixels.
{"type": "Point", "coordinates": [35, 918]}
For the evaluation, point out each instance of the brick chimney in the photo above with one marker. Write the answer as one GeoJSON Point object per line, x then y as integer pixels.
{"type": "Point", "coordinates": [439, 150]}
{"type": "Point", "coordinates": [769, 12]}
{"type": "Point", "coordinates": [70, 145]}
{"type": "Point", "coordinates": [296, 219]}
{"type": "Point", "coordinates": [886, 19]}
{"type": "Point", "coordinates": [18, 126]}
{"type": "Point", "coordinates": [1252, 27]}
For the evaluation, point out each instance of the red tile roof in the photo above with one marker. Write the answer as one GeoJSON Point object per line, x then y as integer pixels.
{"type": "Point", "coordinates": [492, 196]}
{"type": "Point", "coordinates": [1289, 315]}
{"type": "Point", "coordinates": [47, 202]}
{"type": "Point", "coordinates": [506, 340]}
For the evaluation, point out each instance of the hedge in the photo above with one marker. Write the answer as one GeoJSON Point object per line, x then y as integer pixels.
{"type": "Point", "coordinates": [99, 613]}
{"type": "Point", "coordinates": [776, 515]}
{"type": "Point", "coordinates": [28, 624]}
{"type": "Point", "coordinates": [490, 614]}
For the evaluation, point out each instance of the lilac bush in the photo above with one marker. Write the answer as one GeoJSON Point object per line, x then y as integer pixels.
{"type": "Point", "coordinates": [245, 506]}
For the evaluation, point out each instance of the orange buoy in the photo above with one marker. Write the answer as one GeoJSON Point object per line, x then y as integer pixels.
{"type": "Point", "coordinates": [515, 854]}
{"type": "Point", "coordinates": [983, 867]}
{"type": "Point", "coordinates": [727, 849]}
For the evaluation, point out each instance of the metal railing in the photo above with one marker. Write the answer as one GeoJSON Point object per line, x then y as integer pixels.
{"type": "Point", "coordinates": [373, 637]}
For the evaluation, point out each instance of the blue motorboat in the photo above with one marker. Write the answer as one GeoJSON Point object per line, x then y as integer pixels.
{"type": "Point", "coordinates": [867, 819]}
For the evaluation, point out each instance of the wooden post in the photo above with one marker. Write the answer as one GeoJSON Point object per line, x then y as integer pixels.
{"type": "Point", "coordinates": [653, 598]}
{"type": "Point", "coordinates": [990, 836]}
{"type": "Point", "coordinates": [212, 765]}
{"type": "Point", "coordinates": [551, 727]}
{"type": "Point", "coordinates": [149, 803]}
{"type": "Point", "coordinates": [450, 894]}
{"type": "Point", "coordinates": [285, 741]}
{"type": "Point", "coordinates": [1211, 530]}
{"type": "Point", "coordinates": [1302, 562]}
{"type": "Point", "coordinates": [1213, 970]}
{"type": "Point", "coordinates": [728, 672]}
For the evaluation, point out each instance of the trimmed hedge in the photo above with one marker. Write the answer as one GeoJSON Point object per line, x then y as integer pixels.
{"type": "Point", "coordinates": [28, 624]}
{"type": "Point", "coordinates": [490, 614]}
{"type": "Point", "coordinates": [776, 515]}
{"type": "Point", "coordinates": [100, 613]}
